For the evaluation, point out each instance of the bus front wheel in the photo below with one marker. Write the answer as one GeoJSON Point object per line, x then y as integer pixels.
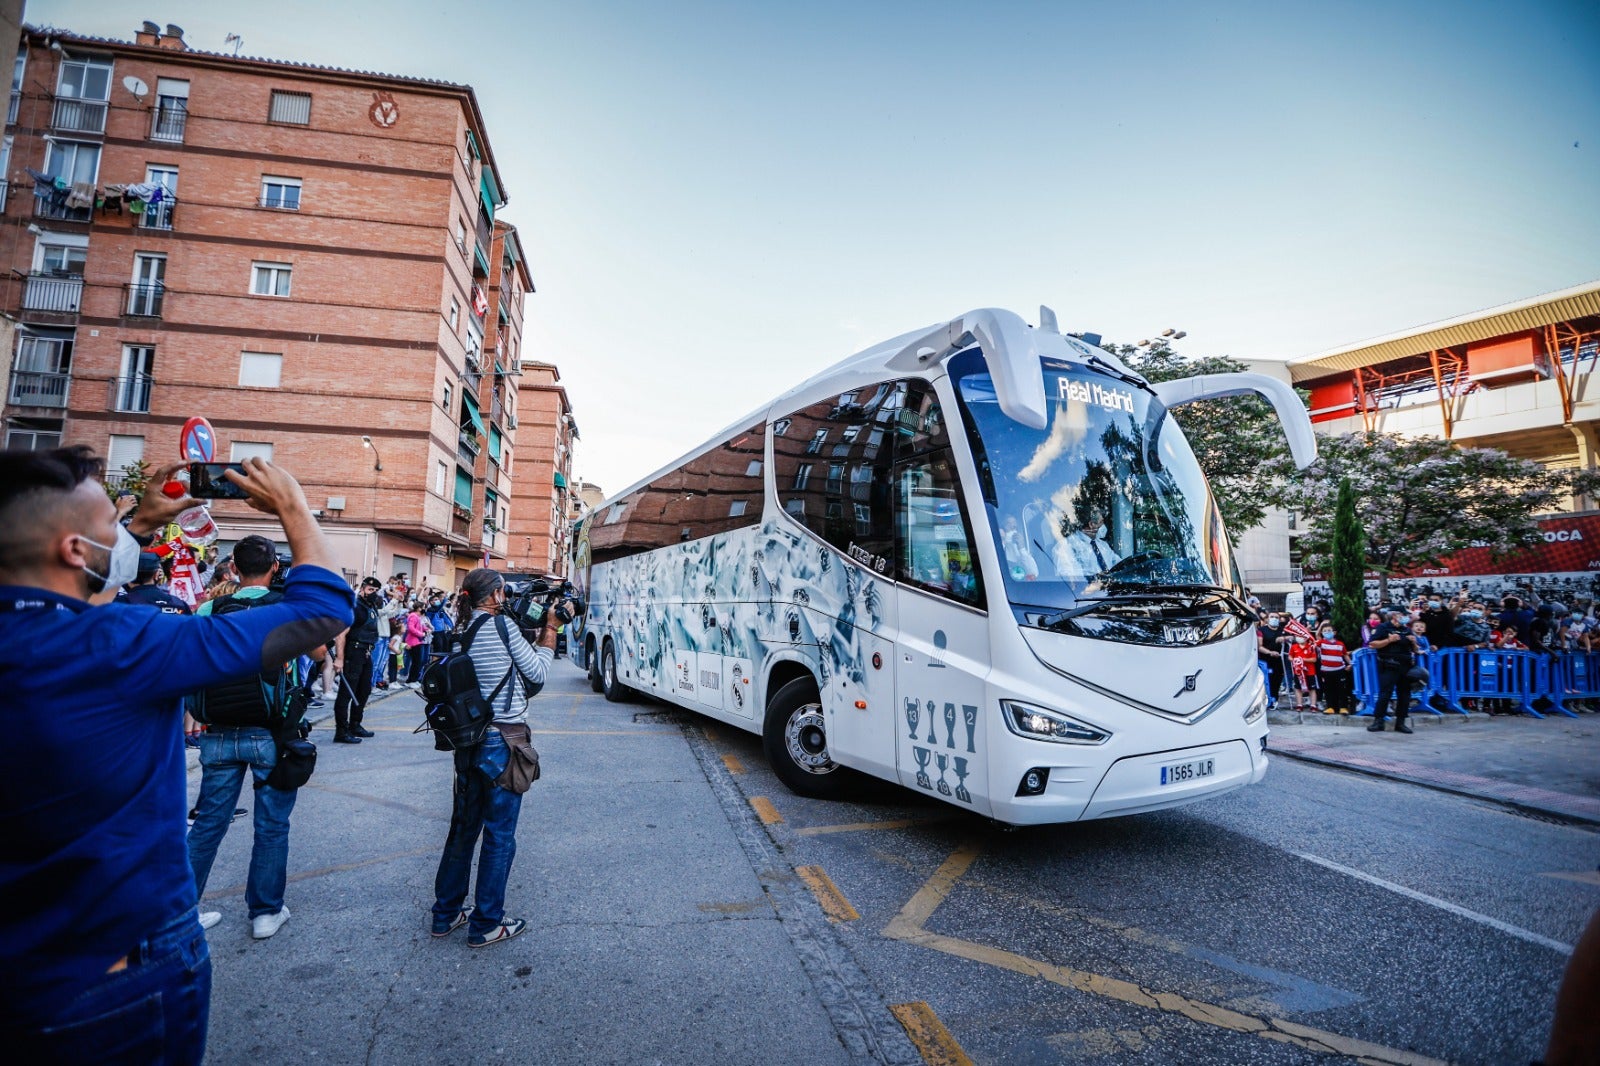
{"type": "Point", "coordinates": [796, 741]}
{"type": "Point", "coordinates": [615, 690]}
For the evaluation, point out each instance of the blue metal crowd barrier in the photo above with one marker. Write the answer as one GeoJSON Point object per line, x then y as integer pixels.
{"type": "Point", "coordinates": [1519, 677]}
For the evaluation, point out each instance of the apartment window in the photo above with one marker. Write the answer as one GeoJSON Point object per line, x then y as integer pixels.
{"type": "Point", "coordinates": [441, 475]}
{"type": "Point", "coordinates": [5, 168]}
{"type": "Point", "coordinates": [461, 234]}
{"type": "Point", "coordinates": [82, 92]}
{"type": "Point", "coordinates": [449, 390]}
{"type": "Point", "coordinates": [736, 508]}
{"type": "Point", "coordinates": [63, 259]}
{"type": "Point", "coordinates": [250, 449]}
{"type": "Point", "coordinates": [281, 193]}
{"type": "Point", "coordinates": [171, 111]}
{"type": "Point", "coordinates": [754, 469]}
{"type": "Point", "coordinates": [260, 370]}
{"type": "Point", "coordinates": [131, 390]}
{"type": "Point", "coordinates": [801, 476]}
{"type": "Point", "coordinates": [455, 313]}
{"type": "Point", "coordinates": [270, 279]}
{"type": "Point", "coordinates": [817, 440]}
{"type": "Point", "coordinates": [123, 451]}
{"type": "Point", "coordinates": [148, 289]}
{"type": "Point", "coordinates": [159, 215]}
{"type": "Point", "coordinates": [73, 161]}
{"type": "Point", "coordinates": [289, 107]}
{"type": "Point", "coordinates": [33, 440]}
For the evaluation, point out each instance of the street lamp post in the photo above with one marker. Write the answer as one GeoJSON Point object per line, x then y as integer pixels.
{"type": "Point", "coordinates": [377, 460]}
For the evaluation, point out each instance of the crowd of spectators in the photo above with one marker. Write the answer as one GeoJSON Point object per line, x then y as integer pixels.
{"type": "Point", "coordinates": [1301, 653]}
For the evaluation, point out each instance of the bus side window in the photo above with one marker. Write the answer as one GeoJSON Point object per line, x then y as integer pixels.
{"type": "Point", "coordinates": [831, 467]}
{"type": "Point", "coordinates": [935, 552]}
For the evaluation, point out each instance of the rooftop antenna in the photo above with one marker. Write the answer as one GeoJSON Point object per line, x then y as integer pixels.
{"type": "Point", "coordinates": [235, 40]}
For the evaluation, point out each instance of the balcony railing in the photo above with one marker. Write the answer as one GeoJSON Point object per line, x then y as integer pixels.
{"type": "Point", "coordinates": [132, 393]}
{"type": "Point", "coordinates": [157, 216]}
{"type": "Point", "coordinates": [56, 294]}
{"type": "Point", "coordinates": [47, 207]}
{"type": "Point", "coordinates": [167, 124]}
{"type": "Point", "coordinates": [460, 522]}
{"type": "Point", "coordinates": [145, 299]}
{"type": "Point", "coordinates": [79, 116]}
{"type": "Point", "coordinates": [37, 388]}
{"type": "Point", "coordinates": [485, 234]}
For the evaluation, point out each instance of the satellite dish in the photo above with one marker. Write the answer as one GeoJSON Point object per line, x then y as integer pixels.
{"type": "Point", "coordinates": [135, 86]}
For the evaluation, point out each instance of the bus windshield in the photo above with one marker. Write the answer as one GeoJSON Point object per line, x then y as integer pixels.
{"type": "Point", "coordinates": [1105, 505]}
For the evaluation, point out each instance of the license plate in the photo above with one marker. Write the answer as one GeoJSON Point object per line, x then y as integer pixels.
{"type": "Point", "coordinates": [1179, 772]}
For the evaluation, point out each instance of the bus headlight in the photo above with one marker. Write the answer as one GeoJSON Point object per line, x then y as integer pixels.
{"type": "Point", "coordinates": [1036, 723]}
{"type": "Point", "coordinates": [1257, 708]}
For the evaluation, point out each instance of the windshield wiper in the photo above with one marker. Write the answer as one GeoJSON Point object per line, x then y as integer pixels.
{"type": "Point", "coordinates": [1127, 564]}
{"type": "Point", "coordinates": [1084, 607]}
{"type": "Point", "coordinates": [1196, 590]}
{"type": "Point", "coordinates": [1110, 371]}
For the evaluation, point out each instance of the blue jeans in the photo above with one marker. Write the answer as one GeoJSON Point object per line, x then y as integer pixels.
{"type": "Point", "coordinates": [225, 754]}
{"type": "Point", "coordinates": [380, 660]}
{"type": "Point", "coordinates": [481, 807]}
{"type": "Point", "coordinates": [152, 1011]}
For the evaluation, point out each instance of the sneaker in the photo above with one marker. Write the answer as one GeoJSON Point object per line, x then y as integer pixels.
{"type": "Point", "coordinates": [209, 918]}
{"type": "Point", "coordinates": [264, 925]}
{"type": "Point", "coordinates": [507, 929]}
{"type": "Point", "coordinates": [445, 928]}
{"type": "Point", "coordinates": [316, 703]}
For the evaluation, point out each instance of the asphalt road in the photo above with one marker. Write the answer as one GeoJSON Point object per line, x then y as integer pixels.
{"type": "Point", "coordinates": [685, 907]}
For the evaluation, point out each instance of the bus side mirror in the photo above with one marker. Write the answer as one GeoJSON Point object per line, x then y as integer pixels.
{"type": "Point", "coordinates": [1284, 400]}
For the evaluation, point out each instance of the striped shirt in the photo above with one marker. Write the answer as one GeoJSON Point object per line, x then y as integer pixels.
{"type": "Point", "coordinates": [492, 657]}
{"type": "Point", "coordinates": [1331, 654]}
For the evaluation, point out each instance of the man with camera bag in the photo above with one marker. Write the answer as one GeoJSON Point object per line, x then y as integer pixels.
{"type": "Point", "coordinates": [101, 958]}
{"type": "Point", "coordinates": [248, 723]}
{"type": "Point", "coordinates": [492, 775]}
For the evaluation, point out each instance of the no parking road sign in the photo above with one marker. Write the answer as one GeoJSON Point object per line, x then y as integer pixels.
{"type": "Point", "coordinates": [198, 441]}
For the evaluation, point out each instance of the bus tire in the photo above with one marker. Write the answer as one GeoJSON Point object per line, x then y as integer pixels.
{"type": "Point", "coordinates": [610, 684]}
{"type": "Point", "coordinates": [797, 744]}
{"type": "Point", "coordinates": [592, 662]}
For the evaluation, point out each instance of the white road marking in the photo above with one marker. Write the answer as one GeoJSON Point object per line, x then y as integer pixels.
{"type": "Point", "coordinates": [1444, 905]}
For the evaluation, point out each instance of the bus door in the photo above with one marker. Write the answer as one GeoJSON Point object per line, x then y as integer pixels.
{"type": "Point", "coordinates": [942, 656]}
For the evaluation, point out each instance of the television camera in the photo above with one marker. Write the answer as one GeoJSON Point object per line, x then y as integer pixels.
{"type": "Point", "coordinates": [530, 603]}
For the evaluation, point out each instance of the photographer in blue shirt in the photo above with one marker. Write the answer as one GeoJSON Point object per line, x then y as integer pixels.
{"type": "Point", "coordinates": [101, 955]}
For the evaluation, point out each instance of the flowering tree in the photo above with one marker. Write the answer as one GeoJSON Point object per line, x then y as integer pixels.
{"type": "Point", "coordinates": [1420, 499]}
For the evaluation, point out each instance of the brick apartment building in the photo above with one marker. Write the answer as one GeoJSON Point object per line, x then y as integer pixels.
{"type": "Point", "coordinates": [309, 257]}
{"type": "Point", "coordinates": [543, 494]}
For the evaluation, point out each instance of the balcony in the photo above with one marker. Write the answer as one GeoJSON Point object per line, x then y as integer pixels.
{"type": "Point", "coordinates": [79, 116]}
{"type": "Point", "coordinates": [37, 388]}
{"type": "Point", "coordinates": [496, 409]}
{"type": "Point", "coordinates": [145, 300]}
{"type": "Point", "coordinates": [157, 216]}
{"type": "Point", "coordinates": [485, 234]}
{"type": "Point", "coordinates": [460, 521]}
{"type": "Point", "coordinates": [131, 394]}
{"type": "Point", "coordinates": [49, 207]}
{"type": "Point", "coordinates": [467, 449]}
{"type": "Point", "coordinates": [52, 293]}
{"type": "Point", "coordinates": [167, 124]}
{"type": "Point", "coordinates": [5, 190]}
{"type": "Point", "coordinates": [16, 102]}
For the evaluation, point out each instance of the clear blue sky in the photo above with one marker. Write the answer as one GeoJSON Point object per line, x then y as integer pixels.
{"type": "Point", "coordinates": [719, 199]}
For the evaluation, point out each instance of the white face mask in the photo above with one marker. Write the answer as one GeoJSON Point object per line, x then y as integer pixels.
{"type": "Point", "coordinates": [1100, 532]}
{"type": "Point", "coordinates": [123, 566]}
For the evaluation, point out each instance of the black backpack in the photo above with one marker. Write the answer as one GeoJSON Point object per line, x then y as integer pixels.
{"type": "Point", "coordinates": [274, 699]}
{"type": "Point", "coordinates": [457, 713]}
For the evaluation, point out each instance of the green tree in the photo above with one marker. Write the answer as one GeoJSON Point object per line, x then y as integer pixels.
{"type": "Point", "coordinates": [1237, 440]}
{"type": "Point", "coordinates": [1347, 574]}
{"type": "Point", "coordinates": [134, 478]}
{"type": "Point", "coordinates": [1420, 500]}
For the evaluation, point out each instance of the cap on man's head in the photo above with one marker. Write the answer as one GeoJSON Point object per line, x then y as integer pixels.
{"type": "Point", "coordinates": [371, 583]}
{"type": "Point", "coordinates": [149, 563]}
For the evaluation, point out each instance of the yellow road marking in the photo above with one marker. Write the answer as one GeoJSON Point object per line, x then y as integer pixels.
{"type": "Point", "coordinates": [834, 905]}
{"type": "Point", "coordinates": [1583, 877]}
{"type": "Point", "coordinates": [927, 1032]}
{"type": "Point", "coordinates": [733, 764]}
{"type": "Point", "coordinates": [908, 926]}
{"type": "Point", "coordinates": [766, 811]}
{"type": "Point", "coordinates": [856, 827]}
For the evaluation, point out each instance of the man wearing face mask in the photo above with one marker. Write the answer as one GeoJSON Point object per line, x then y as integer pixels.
{"type": "Point", "coordinates": [1439, 619]}
{"type": "Point", "coordinates": [1270, 639]}
{"type": "Point", "coordinates": [353, 654]}
{"type": "Point", "coordinates": [101, 953]}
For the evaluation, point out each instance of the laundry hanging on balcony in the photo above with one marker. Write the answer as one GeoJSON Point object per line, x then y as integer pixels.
{"type": "Point", "coordinates": [49, 188]}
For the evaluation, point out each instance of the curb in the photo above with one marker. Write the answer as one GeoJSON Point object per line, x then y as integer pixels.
{"type": "Point", "coordinates": [1543, 811]}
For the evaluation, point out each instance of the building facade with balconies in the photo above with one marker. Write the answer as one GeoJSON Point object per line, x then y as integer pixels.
{"type": "Point", "coordinates": [305, 256]}
{"type": "Point", "coordinates": [542, 494]}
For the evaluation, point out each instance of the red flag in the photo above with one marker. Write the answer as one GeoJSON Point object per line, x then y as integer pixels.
{"type": "Point", "coordinates": [1295, 629]}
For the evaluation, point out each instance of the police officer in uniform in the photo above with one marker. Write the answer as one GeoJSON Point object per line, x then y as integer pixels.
{"type": "Point", "coordinates": [353, 656]}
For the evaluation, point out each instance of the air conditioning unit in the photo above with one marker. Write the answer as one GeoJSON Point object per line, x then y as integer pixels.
{"type": "Point", "coordinates": [511, 421]}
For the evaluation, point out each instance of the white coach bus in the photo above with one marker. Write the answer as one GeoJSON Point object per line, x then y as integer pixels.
{"type": "Point", "coordinates": [978, 560]}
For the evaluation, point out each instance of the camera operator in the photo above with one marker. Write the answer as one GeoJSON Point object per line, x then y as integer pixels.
{"type": "Point", "coordinates": [101, 954]}
{"type": "Point", "coordinates": [491, 777]}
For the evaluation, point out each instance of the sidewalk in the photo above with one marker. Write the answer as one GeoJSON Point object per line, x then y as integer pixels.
{"type": "Point", "coordinates": [1549, 767]}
